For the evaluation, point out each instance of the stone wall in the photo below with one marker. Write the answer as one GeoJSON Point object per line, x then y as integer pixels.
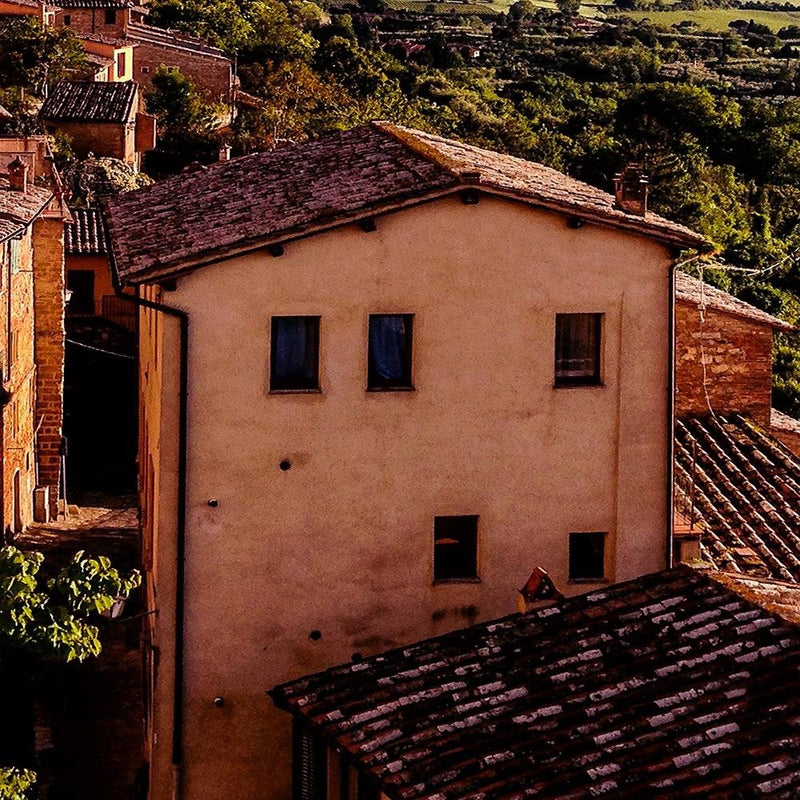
{"type": "Point", "coordinates": [737, 354]}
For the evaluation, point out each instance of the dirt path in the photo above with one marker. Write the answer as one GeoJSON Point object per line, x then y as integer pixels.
{"type": "Point", "coordinates": [89, 716]}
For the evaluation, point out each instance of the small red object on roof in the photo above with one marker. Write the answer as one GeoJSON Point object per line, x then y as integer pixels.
{"type": "Point", "coordinates": [540, 586]}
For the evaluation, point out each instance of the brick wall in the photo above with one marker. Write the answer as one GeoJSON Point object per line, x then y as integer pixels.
{"type": "Point", "coordinates": [92, 20]}
{"type": "Point", "coordinates": [48, 245]}
{"type": "Point", "coordinates": [117, 140]}
{"type": "Point", "coordinates": [19, 376]}
{"type": "Point", "coordinates": [738, 363]}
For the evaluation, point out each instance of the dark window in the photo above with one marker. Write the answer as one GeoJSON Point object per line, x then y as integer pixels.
{"type": "Point", "coordinates": [577, 349]}
{"type": "Point", "coordinates": [587, 556]}
{"type": "Point", "coordinates": [111, 16]}
{"type": "Point", "coordinates": [390, 351]}
{"type": "Point", "coordinates": [81, 283]}
{"type": "Point", "coordinates": [309, 757]}
{"type": "Point", "coordinates": [120, 65]}
{"type": "Point", "coordinates": [67, 19]}
{"type": "Point", "coordinates": [455, 548]}
{"type": "Point", "coordinates": [294, 363]}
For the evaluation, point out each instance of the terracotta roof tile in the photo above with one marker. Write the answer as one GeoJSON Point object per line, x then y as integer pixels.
{"type": "Point", "coordinates": [148, 34]}
{"type": "Point", "coordinates": [95, 4]}
{"type": "Point", "coordinates": [783, 422]}
{"type": "Point", "coordinates": [86, 234]}
{"type": "Point", "coordinates": [18, 209]}
{"type": "Point", "coordinates": [244, 203]}
{"type": "Point", "coordinates": [677, 688]}
{"type": "Point", "coordinates": [694, 291]}
{"type": "Point", "coordinates": [84, 101]}
{"type": "Point", "coordinates": [744, 486]}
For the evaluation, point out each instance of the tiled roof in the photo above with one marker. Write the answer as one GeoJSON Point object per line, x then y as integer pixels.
{"type": "Point", "coordinates": [232, 206]}
{"type": "Point", "coordinates": [111, 41]}
{"type": "Point", "coordinates": [85, 101]}
{"type": "Point", "coordinates": [744, 487]}
{"type": "Point", "coordinates": [86, 234]}
{"type": "Point", "coordinates": [694, 291]}
{"type": "Point", "coordinates": [18, 209]}
{"type": "Point", "coordinates": [94, 4]}
{"type": "Point", "coordinates": [171, 38]}
{"type": "Point", "coordinates": [783, 422]}
{"type": "Point", "coordinates": [670, 686]}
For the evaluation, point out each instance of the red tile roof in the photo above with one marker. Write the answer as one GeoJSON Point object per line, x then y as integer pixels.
{"type": "Point", "coordinates": [90, 101]}
{"type": "Point", "coordinates": [86, 234]}
{"type": "Point", "coordinates": [744, 487]}
{"type": "Point", "coordinates": [694, 291]}
{"type": "Point", "coordinates": [671, 686]}
{"type": "Point", "coordinates": [242, 204]}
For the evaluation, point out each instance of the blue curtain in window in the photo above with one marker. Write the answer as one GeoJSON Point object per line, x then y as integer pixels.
{"type": "Point", "coordinates": [388, 343]}
{"type": "Point", "coordinates": [295, 351]}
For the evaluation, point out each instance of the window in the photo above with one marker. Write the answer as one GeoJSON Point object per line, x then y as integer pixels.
{"type": "Point", "coordinates": [309, 764]}
{"type": "Point", "coordinates": [67, 19]}
{"type": "Point", "coordinates": [577, 349]}
{"type": "Point", "coordinates": [120, 65]}
{"type": "Point", "coordinates": [145, 70]}
{"type": "Point", "coordinates": [294, 362]}
{"type": "Point", "coordinates": [15, 254]}
{"type": "Point", "coordinates": [455, 548]}
{"type": "Point", "coordinates": [587, 556]}
{"type": "Point", "coordinates": [389, 359]}
{"type": "Point", "coordinates": [81, 283]}
{"type": "Point", "coordinates": [111, 16]}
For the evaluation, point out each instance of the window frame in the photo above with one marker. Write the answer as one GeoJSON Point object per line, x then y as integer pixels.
{"type": "Point", "coordinates": [560, 378]}
{"type": "Point", "coordinates": [313, 386]}
{"type": "Point", "coordinates": [474, 547]}
{"type": "Point", "coordinates": [406, 384]}
{"type": "Point", "coordinates": [586, 578]}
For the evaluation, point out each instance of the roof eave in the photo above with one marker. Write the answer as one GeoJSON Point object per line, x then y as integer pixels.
{"type": "Point", "coordinates": [636, 225]}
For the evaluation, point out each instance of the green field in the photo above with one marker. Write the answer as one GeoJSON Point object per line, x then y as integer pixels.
{"type": "Point", "coordinates": [497, 7]}
{"type": "Point", "coordinates": [717, 19]}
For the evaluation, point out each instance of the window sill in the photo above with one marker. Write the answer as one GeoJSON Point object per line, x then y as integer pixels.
{"type": "Point", "coordinates": [441, 581]}
{"type": "Point", "coordinates": [578, 384]}
{"type": "Point", "coordinates": [295, 391]}
{"type": "Point", "coordinates": [598, 581]}
{"type": "Point", "coordinates": [382, 389]}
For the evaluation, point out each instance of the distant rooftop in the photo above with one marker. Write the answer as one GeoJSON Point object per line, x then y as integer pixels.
{"type": "Point", "coordinates": [85, 101]}
{"type": "Point", "coordinates": [86, 234]}
{"type": "Point", "coordinates": [95, 4]}
{"type": "Point", "coordinates": [245, 203]}
{"type": "Point", "coordinates": [744, 487]}
{"type": "Point", "coordinates": [675, 685]}
{"type": "Point", "coordinates": [168, 37]}
{"type": "Point", "coordinates": [694, 291]}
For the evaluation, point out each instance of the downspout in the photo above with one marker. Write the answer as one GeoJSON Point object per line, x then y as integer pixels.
{"type": "Point", "coordinates": [671, 416]}
{"type": "Point", "coordinates": [180, 545]}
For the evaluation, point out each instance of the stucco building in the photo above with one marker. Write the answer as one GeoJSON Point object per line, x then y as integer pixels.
{"type": "Point", "coordinates": [32, 330]}
{"type": "Point", "coordinates": [102, 118]}
{"type": "Point", "coordinates": [383, 375]}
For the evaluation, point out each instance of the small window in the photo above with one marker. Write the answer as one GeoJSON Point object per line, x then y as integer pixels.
{"type": "Point", "coordinates": [455, 548]}
{"type": "Point", "coordinates": [389, 351]}
{"type": "Point", "coordinates": [121, 65]}
{"type": "Point", "coordinates": [577, 349]}
{"type": "Point", "coordinates": [145, 70]}
{"type": "Point", "coordinates": [587, 556]}
{"type": "Point", "coordinates": [15, 254]}
{"type": "Point", "coordinates": [67, 19]}
{"type": "Point", "coordinates": [111, 16]}
{"type": "Point", "coordinates": [309, 764]}
{"type": "Point", "coordinates": [294, 362]}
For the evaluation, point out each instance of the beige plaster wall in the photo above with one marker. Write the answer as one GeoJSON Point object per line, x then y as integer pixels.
{"type": "Point", "coordinates": [342, 542]}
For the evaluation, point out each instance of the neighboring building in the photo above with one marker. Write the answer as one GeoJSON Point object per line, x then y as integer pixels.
{"type": "Point", "coordinates": [106, 17]}
{"type": "Point", "coordinates": [32, 335]}
{"type": "Point", "coordinates": [737, 489]}
{"type": "Point", "coordinates": [88, 271]}
{"type": "Point", "coordinates": [415, 370]}
{"type": "Point", "coordinates": [100, 118]}
{"type": "Point", "coordinates": [44, 12]}
{"type": "Point", "coordinates": [723, 352]}
{"type": "Point", "coordinates": [676, 685]}
{"type": "Point", "coordinates": [109, 59]}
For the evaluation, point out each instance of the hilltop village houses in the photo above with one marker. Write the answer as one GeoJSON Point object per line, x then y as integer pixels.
{"type": "Point", "coordinates": [383, 376]}
{"type": "Point", "coordinates": [32, 216]}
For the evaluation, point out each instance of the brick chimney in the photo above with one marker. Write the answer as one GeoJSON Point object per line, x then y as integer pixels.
{"type": "Point", "coordinates": [18, 175]}
{"type": "Point", "coordinates": [630, 188]}
{"type": "Point", "coordinates": [225, 152]}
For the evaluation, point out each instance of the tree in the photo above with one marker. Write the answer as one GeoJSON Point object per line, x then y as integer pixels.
{"type": "Point", "coordinates": [91, 180]}
{"type": "Point", "coordinates": [52, 622]}
{"type": "Point", "coordinates": [569, 7]}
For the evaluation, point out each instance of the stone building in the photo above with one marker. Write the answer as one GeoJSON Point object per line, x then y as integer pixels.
{"type": "Point", "coordinates": [392, 374]}
{"type": "Point", "coordinates": [101, 118]}
{"type": "Point", "coordinates": [737, 465]}
{"type": "Point", "coordinates": [32, 335]}
{"type": "Point", "coordinates": [109, 59]}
